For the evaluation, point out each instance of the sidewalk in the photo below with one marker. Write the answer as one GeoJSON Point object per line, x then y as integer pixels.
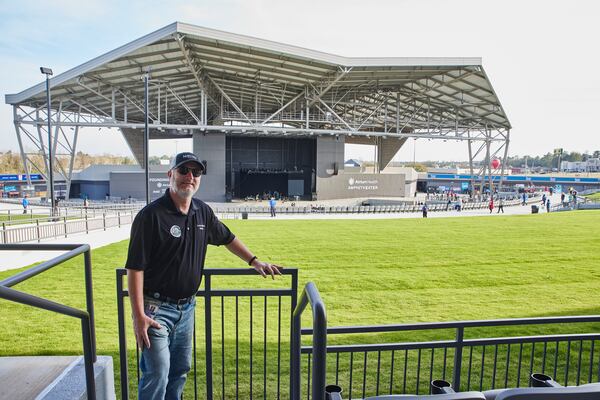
{"type": "Point", "coordinates": [18, 259]}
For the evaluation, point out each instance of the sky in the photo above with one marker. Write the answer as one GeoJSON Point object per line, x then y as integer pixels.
{"type": "Point", "coordinates": [542, 57]}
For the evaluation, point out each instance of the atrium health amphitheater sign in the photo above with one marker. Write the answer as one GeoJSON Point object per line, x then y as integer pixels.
{"type": "Point", "coordinates": [360, 185]}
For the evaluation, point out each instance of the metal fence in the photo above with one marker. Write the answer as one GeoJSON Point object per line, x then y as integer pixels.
{"type": "Point", "coordinates": [471, 354]}
{"type": "Point", "coordinates": [86, 317]}
{"type": "Point", "coordinates": [244, 337]}
{"type": "Point", "coordinates": [63, 226]}
{"type": "Point", "coordinates": [236, 211]}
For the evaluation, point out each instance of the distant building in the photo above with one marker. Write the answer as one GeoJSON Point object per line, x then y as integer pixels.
{"type": "Point", "coordinates": [590, 165]}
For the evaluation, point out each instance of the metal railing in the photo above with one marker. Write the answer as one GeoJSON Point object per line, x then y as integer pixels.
{"type": "Point", "coordinates": [409, 367]}
{"type": "Point", "coordinates": [387, 209]}
{"type": "Point", "coordinates": [310, 295]}
{"type": "Point", "coordinates": [86, 317]}
{"type": "Point", "coordinates": [63, 226]}
{"type": "Point", "coordinates": [224, 369]}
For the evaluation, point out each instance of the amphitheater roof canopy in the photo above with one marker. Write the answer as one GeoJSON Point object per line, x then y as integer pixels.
{"type": "Point", "coordinates": [239, 80]}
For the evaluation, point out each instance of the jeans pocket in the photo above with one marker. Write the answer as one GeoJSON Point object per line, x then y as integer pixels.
{"type": "Point", "coordinates": [151, 307]}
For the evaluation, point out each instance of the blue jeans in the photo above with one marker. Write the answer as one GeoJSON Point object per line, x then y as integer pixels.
{"type": "Point", "coordinates": [166, 363]}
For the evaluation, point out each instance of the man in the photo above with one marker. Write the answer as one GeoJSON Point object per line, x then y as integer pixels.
{"type": "Point", "coordinates": [424, 209]}
{"type": "Point", "coordinates": [501, 205]}
{"type": "Point", "coordinates": [25, 203]}
{"type": "Point", "coordinates": [165, 260]}
{"type": "Point", "coordinates": [272, 204]}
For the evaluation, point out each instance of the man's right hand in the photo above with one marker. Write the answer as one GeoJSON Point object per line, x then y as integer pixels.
{"type": "Point", "coordinates": [140, 328]}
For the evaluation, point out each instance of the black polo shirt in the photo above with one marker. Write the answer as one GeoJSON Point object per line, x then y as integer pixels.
{"type": "Point", "coordinates": [170, 247]}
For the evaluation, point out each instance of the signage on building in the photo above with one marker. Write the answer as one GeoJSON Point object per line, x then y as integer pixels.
{"type": "Point", "coordinates": [158, 186]}
{"type": "Point", "coordinates": [363, 184]}
{"type": "Point", "coordinates": [360, 185]}
{"type": "Point", "coordinates": [19, 177]}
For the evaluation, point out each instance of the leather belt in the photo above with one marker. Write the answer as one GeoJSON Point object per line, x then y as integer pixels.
{"type": "Point", "coordinates": [167, 299]}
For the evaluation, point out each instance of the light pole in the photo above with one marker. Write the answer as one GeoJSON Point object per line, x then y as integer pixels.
{"type": "Point", "coordinates": [48, 73]}
{"type": "Point", "coordinates": [146, 134]}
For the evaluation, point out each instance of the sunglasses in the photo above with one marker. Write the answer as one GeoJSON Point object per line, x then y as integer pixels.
{"type": "Point", "coordinates": [196, 172]}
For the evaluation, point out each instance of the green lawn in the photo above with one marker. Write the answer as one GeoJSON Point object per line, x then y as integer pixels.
{"type": "Point", "coordinates": [368, 272]}
{"type": "Point", "coordinates": [21, 218]}
{"type": "Point", "coordinates": [594, 197]}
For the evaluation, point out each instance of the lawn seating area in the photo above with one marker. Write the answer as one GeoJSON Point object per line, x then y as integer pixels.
{"type": "Point", "coordinates": [369, 273]}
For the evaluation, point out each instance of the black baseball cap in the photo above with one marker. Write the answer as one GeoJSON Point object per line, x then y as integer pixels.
{"type": "Point", "coordinates": [185, 157]}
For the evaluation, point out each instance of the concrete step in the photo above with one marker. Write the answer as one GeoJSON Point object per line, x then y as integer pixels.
{"type": "Point", "coordinates": [53, 377]}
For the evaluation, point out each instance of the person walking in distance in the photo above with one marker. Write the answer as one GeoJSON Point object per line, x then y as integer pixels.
{"type": "Point", "coordinates": [165, 262]}
{"type": "Point", "coordinates": [25, 204]}
{"type": "Point", "coordinates": [272, 204]}
{"type": "Point", "coordinates": [491, 204]}
{"type": "Point", "coordinates": [501, 205]}
{"type": "Point", "coordinates": [424, 209]}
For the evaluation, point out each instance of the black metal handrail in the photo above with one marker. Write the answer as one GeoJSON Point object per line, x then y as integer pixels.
{"type": "Point", "coordinates": [209, 293]}
{"type": "Point", "coordinates": [86, 317]}
{"type": "Point", "coordinates": [310, 295]}
{"type": "Point", "coordinates": [460, 342]}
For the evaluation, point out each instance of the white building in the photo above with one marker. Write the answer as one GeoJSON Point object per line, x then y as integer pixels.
{"type": "Point", "coordinates": [590, 165]}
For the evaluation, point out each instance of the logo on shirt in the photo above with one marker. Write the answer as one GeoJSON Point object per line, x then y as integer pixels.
{"type": "Point", "coordinates": [201, 227]}
{"type": "Point", "coordinates": [175, 231]}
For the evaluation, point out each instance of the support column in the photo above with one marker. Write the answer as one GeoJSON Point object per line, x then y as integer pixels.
{"type": "Point", "coordinates": [20, 141]}
{"type": "Point", "coordinates": [211, 148]}
{"type": "Point", "coordinates": [504, 159]}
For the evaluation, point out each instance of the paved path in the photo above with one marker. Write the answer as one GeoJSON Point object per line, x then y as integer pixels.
{"type": "Point", "coordinates": [17, 259]}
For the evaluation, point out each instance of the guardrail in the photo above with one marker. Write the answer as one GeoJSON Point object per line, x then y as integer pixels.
{"type": "Point", "coordinates": [237, 306]}
{"type": "Point", "coordinates": [397, 367]}
{"type": "Point", "coordinates": [310, 295]}
{"type": "Point", "coordinates": [63, 226]}
{"type": "Point", "coordinates": [388, 209]}
{"type": "Point", "coordinates": [86, 317]}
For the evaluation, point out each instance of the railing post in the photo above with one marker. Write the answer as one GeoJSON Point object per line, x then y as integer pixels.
{"type": "Point", "coordinates": [208, 334]}
{"type": "Point", "coordinates": [104, 220]}
{"type": "Point", "coordinates": [89, 298]}
{"type": "Point", "coordinates": [89, 357]}
{"type": "Point", "coordinates": [119, 218]}
{"type": "Point", "coordinates": [460, 331]}
{"type": "Point", "coordinates": [122, 339]}
{"type": "Point", "coordinates": [65, 224]}
{"type": "Point", "coordinates": [4, 235]}
{"type": "Point", "coordinates": [37, 223]}
{"type": "Point", "coordinates": [86, 223]}
{"type": "Point", "coordinates": [9, 215]}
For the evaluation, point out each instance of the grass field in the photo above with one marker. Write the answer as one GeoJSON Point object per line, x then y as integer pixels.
{"type": "Point", "coordinates": [22, 218]}
{"type": "Point", "coordinates": [594, 197]}
{"type": "Point", "coordinates": [368, 272]}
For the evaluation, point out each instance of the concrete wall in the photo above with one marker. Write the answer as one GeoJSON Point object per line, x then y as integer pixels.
{"type": "Point", "coordinates": [211, 147]}
{"type": "Point", "coordinates": [361, 185]}
{"type": "Point", "coordinates": [94, 190]}
{"type": "Point", "coordinates": [330, 150]}
{"type": "Point", "coordinates": [125, 184]}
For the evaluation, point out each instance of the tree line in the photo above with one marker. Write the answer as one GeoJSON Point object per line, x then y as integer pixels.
{"type": "Point", "coordinates": [551, 159]}
{"type": "Point", "coordinates": [11, 163]}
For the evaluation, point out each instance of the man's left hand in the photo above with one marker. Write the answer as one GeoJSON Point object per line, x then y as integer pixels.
{"type": "Point", "coordinates": [265, 268]}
